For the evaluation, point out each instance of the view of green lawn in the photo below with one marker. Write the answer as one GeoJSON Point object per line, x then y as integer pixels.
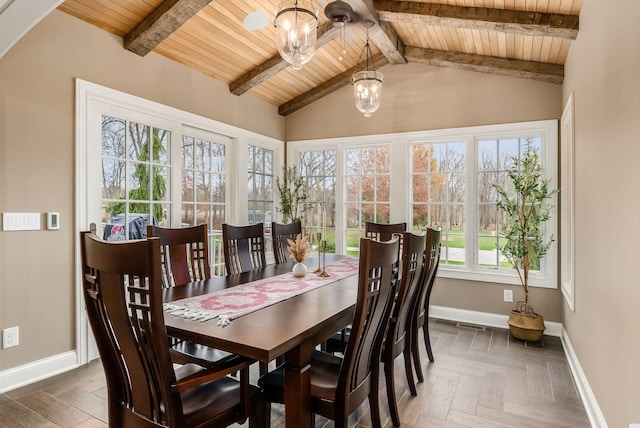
{"type": "Point", "coordinates": [454, 240]}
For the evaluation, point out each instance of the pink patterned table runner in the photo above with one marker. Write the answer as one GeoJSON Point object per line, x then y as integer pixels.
{"type": "Point", "coordinates": [237, 301]}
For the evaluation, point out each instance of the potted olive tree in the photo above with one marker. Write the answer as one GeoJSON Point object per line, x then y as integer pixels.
{"type": "Point", "coordinates": [526, 208]}
{"type": "Point", "coordinates": [293, 194]}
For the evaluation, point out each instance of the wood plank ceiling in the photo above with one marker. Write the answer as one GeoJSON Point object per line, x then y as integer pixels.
{"type": "Point", "coordinates": [522, 38]}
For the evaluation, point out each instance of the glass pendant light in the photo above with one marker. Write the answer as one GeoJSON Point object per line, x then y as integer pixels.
{"type": "Point", "coordinates": [296, 25]}
{"type": "Point", "coordinates": [367, 84]}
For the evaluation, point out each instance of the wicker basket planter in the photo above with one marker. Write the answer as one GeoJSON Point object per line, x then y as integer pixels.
{"type": "Point", "coordinates": [527, 327]}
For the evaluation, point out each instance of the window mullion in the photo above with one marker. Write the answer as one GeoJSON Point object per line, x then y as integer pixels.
{"type": "Point", "coordinates": [471, 203]}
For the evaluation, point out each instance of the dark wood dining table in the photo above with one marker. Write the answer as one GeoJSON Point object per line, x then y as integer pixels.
{"type": "Point", "coordinates": [293, 327]}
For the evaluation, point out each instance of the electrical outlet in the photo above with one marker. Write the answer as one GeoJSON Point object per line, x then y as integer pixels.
{"type": "Point", "coordinates": [508, 295]}
{"type": "Point", "coordinates": [10, 337]}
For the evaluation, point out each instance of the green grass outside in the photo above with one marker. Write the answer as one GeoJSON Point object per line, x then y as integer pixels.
{"type": "Point", "coordinates": [454, 241]}
{"type": "Point", "coordinates": [457, 240]}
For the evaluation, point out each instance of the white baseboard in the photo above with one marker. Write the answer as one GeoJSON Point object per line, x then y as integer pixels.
{"type": "Point", "coordinates": [485, 318]}
{"type": "Point", "coordinates": [588, 399]}
{"type": "Point", "coordinates": [37, 370]}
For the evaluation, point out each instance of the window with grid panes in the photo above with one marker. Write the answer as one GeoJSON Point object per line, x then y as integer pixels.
{"type": "Point", "coordinates": [136, 174]}
{"type": "Point", "coordinates": [367, 196]}
{"type": "Point", "coordinates": [318, 167]}
{"type": "Point", "coordinates": [439, 194]}
{"type": "Point", "coordinates": [261, 191]}
{"type": "Point", "coordinates": [444, 179]}
{"type": "Point", "coordinates": [204, 191]}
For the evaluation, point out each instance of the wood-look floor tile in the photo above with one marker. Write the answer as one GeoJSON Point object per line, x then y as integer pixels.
{"type": "Point", "coordinates": [499, 340]}
{"type": "Point", "coordinates": [54, 409]}
{"type": "Point", "coordinates": [15, 415]}
{"type": "Point", "coordinates": [515, 420]}
{"type": "Point", "coordinates": [467, 420]}
{"type": "Point", "coordinates": [463, 342]}
{"type": "Point", "coordinates": [481, 341]}
{"type": "Point", "coordinates": [102, 392]}
{"type": "Point", "coordinates": [492, 390]}
{"type": "Point", "coordinates": [558, 402]}
{"type": "Point", "coordinates": [465, 399]}
{"type": "Point", "coordinates": [441, 397]}
{"type": "Point", "coordinates": [561, 381]}
{"type": "Point", "coordinates": [471, 365]}
{"type": "Point", "coordinates": [538, 380]}
{"type": "Point", "coordinates": [546, 415]}
{"type": "Point", "coordinates": [86, 401]}
{"type": "Point", "coordinates": [92, 423]}
{"type": "Point", "coordinates": [515, 387]}
{"type": "Point", "coordinates": [431, 422]}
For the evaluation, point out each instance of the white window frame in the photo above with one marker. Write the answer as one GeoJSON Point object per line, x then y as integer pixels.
{"type": "Point", "coordinates": [567, 205]}
{"type": "Point", "coordinates": [90, 101]}
{"type": "Point", "coordinates": [401, 193]}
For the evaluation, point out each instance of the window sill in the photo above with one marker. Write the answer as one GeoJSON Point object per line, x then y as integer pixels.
{"type": "Point", "coordinates": [494, 277]}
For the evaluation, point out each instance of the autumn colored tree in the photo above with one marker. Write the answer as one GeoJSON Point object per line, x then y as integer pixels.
{"type": "Point", "coordinates": [428, 183]}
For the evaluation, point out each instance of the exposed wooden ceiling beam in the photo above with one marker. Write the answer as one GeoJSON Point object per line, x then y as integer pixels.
{"type": "Point", "coordinates": [479, 18]}
{"type": "Point", "coordinates": [381, 33]}
{"type": "Point", "coordinates": [161, 23]}
{"type": "Point", "coordinates": [275, 64]}
{"type": "Point", "coordinates": [331, 85]}
{"type": "Point", "coordinates": [553, 73]}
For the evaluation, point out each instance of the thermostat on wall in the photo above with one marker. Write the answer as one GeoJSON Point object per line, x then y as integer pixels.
{"type": "Point", "coordinates": [53, 221]}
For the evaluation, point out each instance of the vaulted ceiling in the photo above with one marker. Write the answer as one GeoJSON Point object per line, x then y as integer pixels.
{"type": "Point", "coordinates": [528, 39]}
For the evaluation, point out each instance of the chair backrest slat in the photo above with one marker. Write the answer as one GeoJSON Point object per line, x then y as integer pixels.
{"type": "Point", "coordinates": [243, 247]}
{"type": "Point", "coordinates": [279, 235]}
{"type": "Point", "coordinates": [184, 253]}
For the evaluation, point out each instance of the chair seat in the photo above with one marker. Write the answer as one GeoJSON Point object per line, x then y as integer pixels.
{"type": "Point", "coordinates": [325, 369]}
{"type": "Point", "coordinates": [210, 400]}
{"type": "Point", "coordinates": [185, 351]}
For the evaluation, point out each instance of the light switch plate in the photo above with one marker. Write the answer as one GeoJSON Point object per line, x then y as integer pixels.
{"type": "Point", "coordinates": [20, 221]}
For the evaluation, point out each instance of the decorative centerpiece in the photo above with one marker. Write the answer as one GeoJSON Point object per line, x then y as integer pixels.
{"type": "Point", "coordinates": [526, 208]}
{"type": "Point", "coordinates": [299, 250]}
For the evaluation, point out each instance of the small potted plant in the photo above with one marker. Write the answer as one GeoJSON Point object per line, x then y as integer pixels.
{"type": "Point", "coordinates": [299, 250]}
{"type": "Point", "coordinates": [293, 194]}
{"type": "Point", "coordinates": [525, 209]}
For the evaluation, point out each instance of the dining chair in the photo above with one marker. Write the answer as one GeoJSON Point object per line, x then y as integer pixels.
{"type": "Point", "coordinates": [398, 336]}
{"type": "Point", "coordinates": [381, 231]}
{"type": "Point", "coordinates": [243, 247]}
{"type": "Point", "coordinates": [122, 289]}
{"type": "Point", "coordinates": [420, 319]}
{"type": "Point", "coordinates": [378, 232]}
{"type": "Point", "coordinates": [340, 385]}
{"type": "Point", "coordinates": [184, 257]}
{"type": "Point", "coordinates": [279, 235]}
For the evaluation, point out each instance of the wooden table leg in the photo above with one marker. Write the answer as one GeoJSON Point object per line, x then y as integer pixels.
{"type": "Point", "coordinates": [297, 387]}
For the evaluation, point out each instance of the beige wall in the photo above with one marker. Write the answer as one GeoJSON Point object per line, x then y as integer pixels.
{"type": "Point", "coordinates": [418, 97]}
{"type": "Point", "coordinates": [602, 71]}
{"type": "Point", "coordinates": [37, 110]}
